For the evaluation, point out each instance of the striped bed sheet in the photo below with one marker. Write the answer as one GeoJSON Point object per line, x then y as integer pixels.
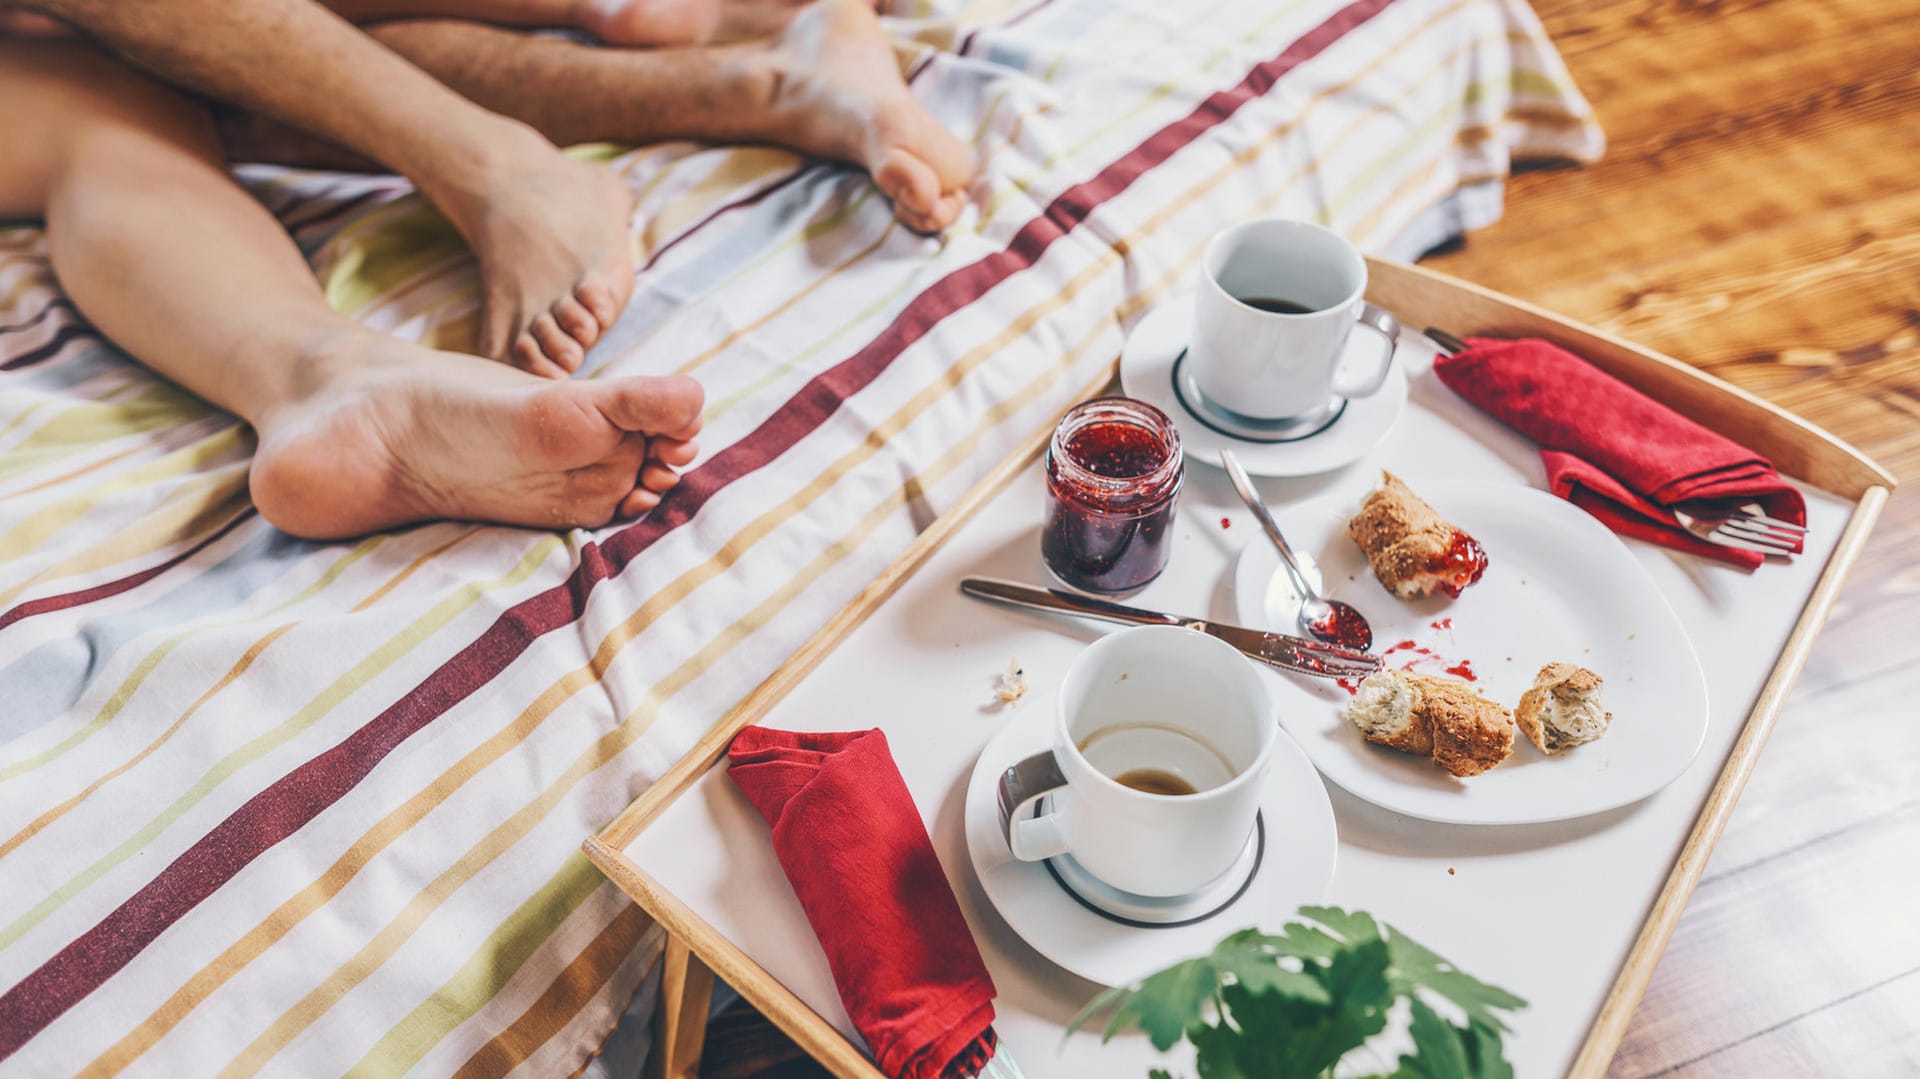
{"type": "Point", "coordinates": [305, 808]}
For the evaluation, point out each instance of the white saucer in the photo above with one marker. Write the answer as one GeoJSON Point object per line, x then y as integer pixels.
{"type": "Point", "coordinates": [1147, 373]}
{"type": "Point", "coordinates": [1294, 868]}
{"type": "Point", "coordinates": [1558, 587]}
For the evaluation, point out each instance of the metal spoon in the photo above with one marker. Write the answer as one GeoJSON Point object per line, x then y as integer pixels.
{"type": "Point", "coordinates": [1321, 618]}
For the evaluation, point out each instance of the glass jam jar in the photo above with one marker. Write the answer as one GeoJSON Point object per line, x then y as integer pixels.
{"type": "Point", "coordinates": [1113, 475]}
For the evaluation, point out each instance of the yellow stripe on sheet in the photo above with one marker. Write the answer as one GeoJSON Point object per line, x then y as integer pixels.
{"type": "Point", "coordinates": [233, 674]}
{"type": "Point", "coordinates": [575, 986]}
{"type": "Point", "coordinates": [382, 657]}
{"type": "Point", "coordinates": [195, 508]}
{"type": "Point", "coordinates": [506, 949]}
{"type": "Point", "coordinates": [737, 169]}
{"type": "Point", "coordinates": [195, 461]}
{"type": "Point", "coordinates": [119, 698]}
{"type": "Point", "coordinates": [156, 406]}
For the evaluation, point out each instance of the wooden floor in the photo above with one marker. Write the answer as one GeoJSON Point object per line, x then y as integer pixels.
{"type": "Point", "coordinates": [1758, 214]}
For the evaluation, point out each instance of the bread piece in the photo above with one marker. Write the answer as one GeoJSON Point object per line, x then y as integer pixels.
{"type": "Point", "coordinates": [1563, 709]}
{"type": "Point", "coordinates": [1384, 709]}
{"type": "Point", "coordinates": [1412, 549]}
{"type": "Point", "coordinates": [1429, 716]}
{"type": "Point", "coordinates": [1470, 733]}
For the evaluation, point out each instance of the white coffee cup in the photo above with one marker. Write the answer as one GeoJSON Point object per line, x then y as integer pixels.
{"type": "Point", "coordinates": [1165, 698]}
{"type": "Point", "coordinates": [1269, 365]}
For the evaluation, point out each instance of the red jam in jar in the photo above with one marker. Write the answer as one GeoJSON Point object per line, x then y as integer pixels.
{"type": "Point", "coordinates": [1113, 476]}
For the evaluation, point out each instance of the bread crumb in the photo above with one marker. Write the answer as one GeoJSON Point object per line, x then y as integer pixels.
{"type": "Point", "coordinates": [1449, 871]}
{"type": "Point", "coordinates": [1011, 685]}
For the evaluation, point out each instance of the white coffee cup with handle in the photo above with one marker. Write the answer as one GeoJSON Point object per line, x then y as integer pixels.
{"type": "Point", "coordinates": [1167, 708]}
{"type": "Point", "coordinates": [1276, 303]}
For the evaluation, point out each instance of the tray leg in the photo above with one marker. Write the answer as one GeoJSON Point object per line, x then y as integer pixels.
{"type": "Point", "coordinates": [680, 1017]}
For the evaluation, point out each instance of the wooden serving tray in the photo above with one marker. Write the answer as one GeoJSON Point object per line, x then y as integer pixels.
{"type": "Point", "coordinates": [1673, 833]}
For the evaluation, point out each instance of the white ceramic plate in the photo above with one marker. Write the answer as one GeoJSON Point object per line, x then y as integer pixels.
{"type": "Point", "coordinates": [1296, 867]}
{"type": "Point", "coordinates": [1558, 587]}
{"type": "Point", "coordinates": [1146, 373]}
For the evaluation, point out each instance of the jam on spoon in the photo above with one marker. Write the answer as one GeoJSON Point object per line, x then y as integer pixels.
{"type": "Point", "coordinates": [1323, 619]}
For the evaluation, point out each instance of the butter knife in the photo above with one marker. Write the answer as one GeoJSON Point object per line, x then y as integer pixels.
{"type": "Point", "coordinates": [1296, 654]}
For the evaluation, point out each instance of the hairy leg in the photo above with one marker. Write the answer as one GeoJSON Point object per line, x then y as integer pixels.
{"type": "Point", "coordinates": [550, 233]}
{"type": "Point", "coordinates": [637, 23]}
{"type": "Point", "coordinates": [827, 85]}
{"type": "Point", "coordinates": [617, 22]}
{"type": "Point", "coordinates": [358, 432]}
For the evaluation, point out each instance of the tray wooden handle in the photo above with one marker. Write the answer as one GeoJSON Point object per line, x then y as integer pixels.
{"type": "Point", "coordinates": [1424, 298]}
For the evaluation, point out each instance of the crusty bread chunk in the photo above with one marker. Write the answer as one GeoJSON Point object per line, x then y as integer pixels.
{"type": "Point", "coordinates": [1429, 716]}
{"type": "Point", "coordinates": [1412, 549]}
{"type": "Point", "coordinates": [1384, 709]}
{"type": "Point", "coordinates": [1470, 733]}
{"type": "Point", "coordinates": [1563, 709]}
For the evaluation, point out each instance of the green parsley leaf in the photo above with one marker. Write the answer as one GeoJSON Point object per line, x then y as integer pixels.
{"type": "Point", "coordinates": [1415, 967]}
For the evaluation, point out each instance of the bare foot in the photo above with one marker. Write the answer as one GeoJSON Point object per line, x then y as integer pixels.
{"type": "Point", "coordinates": [556, 259]}
{"type": "Point", "coordinates": [837, 92]}
{"type": "Point", "coordinates": [398, 434]}
{"type": "Point", "coordinates": [643, 23]}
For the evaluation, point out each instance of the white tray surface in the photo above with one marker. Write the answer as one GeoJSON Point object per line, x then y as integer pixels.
{"type": "Point", "coordinates": [1548, 911]}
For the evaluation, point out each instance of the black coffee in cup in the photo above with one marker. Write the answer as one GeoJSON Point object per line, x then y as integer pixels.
{"type": "Point", "coordinates": [1279, 306]}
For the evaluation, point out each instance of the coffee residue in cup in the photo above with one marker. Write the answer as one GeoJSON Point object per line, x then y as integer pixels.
{"type": "Point", "coordinates": [1154, 781]}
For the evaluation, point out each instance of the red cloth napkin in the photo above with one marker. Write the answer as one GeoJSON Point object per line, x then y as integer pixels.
{"type": "Point", "coordinates": [1612, 450]}
{"type": "Point", "coordinates": [852, 845]}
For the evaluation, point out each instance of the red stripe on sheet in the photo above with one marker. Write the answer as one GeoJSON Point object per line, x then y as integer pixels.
{"type": "Point", "coordinates": [743, 201]}
{"type": "Point", "coordinates": [62, 337]}
{"type": "Point", "coordinates": [386, 193]}
{"type": "Point", "coordinates": [58, 303]}
{"type": "Point", "coordinates": [754, 198]}
{"type": "Point", "coordinates": [67, 600]}
{"type": "Point", "coordinates": [296, 798]}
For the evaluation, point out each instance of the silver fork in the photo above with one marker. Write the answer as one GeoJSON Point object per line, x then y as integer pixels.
{"type": "Point", "coordinates": [1747, 528]}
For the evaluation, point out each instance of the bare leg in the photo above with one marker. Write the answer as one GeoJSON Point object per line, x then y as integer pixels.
{"type": "Point", "coordinates": [828, 85]}
{"type": "Point", "coordinates": [616, 22]}
{"type": "Point", "coordinates": [550, 233]}
{"type": "Point", "coordinates": [358, 432]}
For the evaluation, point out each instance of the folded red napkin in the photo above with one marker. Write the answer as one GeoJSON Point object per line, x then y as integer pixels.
{"type": "Point", "coordinates": [852, 845]}
{"type": "Point", "coordinates": [1612, 450]}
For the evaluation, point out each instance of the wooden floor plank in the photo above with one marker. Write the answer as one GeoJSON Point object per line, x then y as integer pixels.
{"type": "Point", "coordinates": [1875, 1023]}
{"type": "Point", "coordinates": [1779, 940]}
{"type": "Point", "coordinates": [1839, 760]}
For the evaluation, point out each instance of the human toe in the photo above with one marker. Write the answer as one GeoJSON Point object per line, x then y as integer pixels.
{"type": "Point", "coordinates": [911, 184]}
{"type": "Point", "coordinates": [579, 323]}
{"type": "Point", "coordinates": [667, 405]}
{"type": "Point", "coordinates": [600, 301]}
{"type": "Point", "coordinates": [673, 452]}
{"type": "Point", "coordinates": [529, 357]}
{"type": "Point", "coordinates": [657, 477]}
{"type": "Point", "coordinates": [556, 344]}
{"type": "Point", "coordinates": [638, 501]}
